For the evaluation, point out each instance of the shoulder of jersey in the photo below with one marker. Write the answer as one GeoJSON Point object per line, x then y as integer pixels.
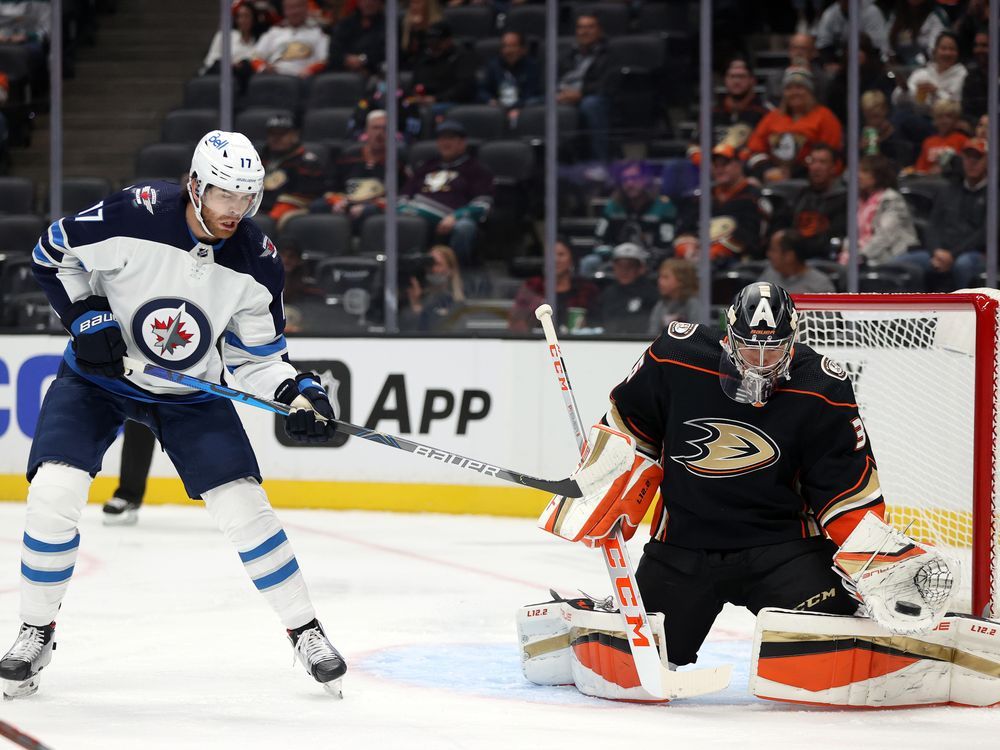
{"type": "Point", "coordinates": [813, 372]}
{"type": "Point", "coordinates": [687, 344]}
{"type": "Point", "coordinates": [132, 212]}
{"type": "Point", "coordinates": [260, 254]}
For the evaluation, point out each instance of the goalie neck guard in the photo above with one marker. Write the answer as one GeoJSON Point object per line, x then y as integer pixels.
{"type": "Point", "coordinates": [761, 325]}
{"type": "Point", "coordinates": [228, 161]}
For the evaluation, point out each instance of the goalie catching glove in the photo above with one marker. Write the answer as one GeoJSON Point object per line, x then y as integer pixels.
{"type": "Point", "coordinates": [312, 415]}
{"type": "Point", "coordinates": [903, 585]}
{"type": "Point", "coordinates": [617, 483]}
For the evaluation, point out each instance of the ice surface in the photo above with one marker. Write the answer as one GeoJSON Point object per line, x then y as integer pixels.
{"type": "Point", "coordinates": [164, 643]}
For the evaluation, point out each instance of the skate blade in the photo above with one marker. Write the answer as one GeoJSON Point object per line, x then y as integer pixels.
{"type": "Point", "coordinates": [333, 687]}
{"type": "Point", "coordinates": [13, 689]}
{"type": "Point", "coordinates": [127, 518]}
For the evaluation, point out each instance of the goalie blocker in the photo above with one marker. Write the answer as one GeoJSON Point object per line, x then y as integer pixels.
{"type": "Point", "coordinates": [809, 657]}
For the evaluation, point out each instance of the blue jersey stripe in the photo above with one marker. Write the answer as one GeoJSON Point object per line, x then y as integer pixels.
{"type": "Point", "coordinates": [264, 547]}
{"type": "Point", "coordinates": [281, 574]}
{"type": "Point", "coordinates": [42, 258]}
{"type": "Point", "coordinates": [36, 545]}
{"type": "Point", "coordinates": [46, 576]}
{"type": "Point", "coordinates": [56, 233]}
{"type": "Point", "coordinates": [264, 350]}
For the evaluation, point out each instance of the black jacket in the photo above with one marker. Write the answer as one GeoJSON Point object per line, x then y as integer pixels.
{"type": "Point", "coordinates": [356, 36]}
{"type": "Point", "coordinates": [448, 78]}
{"type": "Point", "coordinates": [958, 219]}
{"type": "Point", "coordinates": [600, 76]}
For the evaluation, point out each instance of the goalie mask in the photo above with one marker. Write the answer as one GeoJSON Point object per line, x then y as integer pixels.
{"type": "Point", "coordinates": [757, 351]}
{"type": "Point", "coordinates": [229, 162]}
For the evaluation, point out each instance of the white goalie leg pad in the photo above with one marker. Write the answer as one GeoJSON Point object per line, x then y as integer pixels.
{"type": "Point", "coordinates": [242, 512]}
{"type": "Point", "coordinates": [584, 643]}
{"type": "Point", "coordinates": [51, 541]}
{"type": "Point", "coordinates": [811, 657]}
{"type": "Point", "coordinates": [904, 585]}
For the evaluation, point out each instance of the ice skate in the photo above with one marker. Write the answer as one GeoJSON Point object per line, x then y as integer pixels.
{"type": "Point", "coordinates": [318, 656]}
{"type": "Point", "coordinates": [120, 512]}
{"type": "Point", "coordinates": [30, 654]}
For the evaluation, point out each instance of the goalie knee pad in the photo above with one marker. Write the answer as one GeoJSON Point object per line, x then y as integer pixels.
{"type": "Point", "coordinates": [582, 642]}
{"type": "Point", "coordinates": [51, 541]}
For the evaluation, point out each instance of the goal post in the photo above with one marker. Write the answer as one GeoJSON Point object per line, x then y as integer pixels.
{"type": "Point", "coordinates": [925, 371]}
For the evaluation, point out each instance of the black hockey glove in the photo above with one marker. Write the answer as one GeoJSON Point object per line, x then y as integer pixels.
{"type": "Point", "coordinates": [307, 398]}
{"type": "Point", "coordinates": [97, 338]}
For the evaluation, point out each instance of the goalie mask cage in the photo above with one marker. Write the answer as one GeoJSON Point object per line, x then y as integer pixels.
{"type": "Point", "coordinates": [925, 372]}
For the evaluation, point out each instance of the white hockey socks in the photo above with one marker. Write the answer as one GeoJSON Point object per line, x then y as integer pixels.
{"type": "Point", "coordinates": [244, 515]}
{"type": "Point", "coordinates": [56, 498]}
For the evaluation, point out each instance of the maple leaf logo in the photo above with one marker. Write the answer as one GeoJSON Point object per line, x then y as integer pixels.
{"type": "Point", "coordinates": [170, 335]}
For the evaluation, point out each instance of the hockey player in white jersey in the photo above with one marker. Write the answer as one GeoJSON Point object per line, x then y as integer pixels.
{"type": "Point", "coordinates": [179, 277]}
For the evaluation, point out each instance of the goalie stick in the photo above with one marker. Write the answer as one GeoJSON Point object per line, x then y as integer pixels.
{"type": "Point", "coordinates": [567, 486]}
{"type": "Point", "coordinates": [657, 680]}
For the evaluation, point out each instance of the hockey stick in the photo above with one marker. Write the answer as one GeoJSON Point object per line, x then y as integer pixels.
{"type": "Point", "coordinates": [656, 679]}
{"type": "Point", "coordinates": [567, 486]}
{"type": "Point", "coordinates": [19, 738]}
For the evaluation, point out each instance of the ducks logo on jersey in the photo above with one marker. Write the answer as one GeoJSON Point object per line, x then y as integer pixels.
{"type": "Point", "coordinates": [728, 448]}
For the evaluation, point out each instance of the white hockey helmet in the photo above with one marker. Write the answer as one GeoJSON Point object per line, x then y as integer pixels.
{"type": "Point", "coordinates": [228, 161]}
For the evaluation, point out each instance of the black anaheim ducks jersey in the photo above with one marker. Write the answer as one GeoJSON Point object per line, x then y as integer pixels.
{"type": "Point", "coordinates": [736, 475]}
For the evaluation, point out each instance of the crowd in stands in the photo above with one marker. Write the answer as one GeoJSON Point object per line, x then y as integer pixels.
{"type": "Point", "coordinates": [311, 92]}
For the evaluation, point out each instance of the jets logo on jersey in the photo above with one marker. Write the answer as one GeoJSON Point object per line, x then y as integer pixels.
{"type": "Point", "coordinates": [145, 196]}
{"type": "Point", "coordinates": [270, 251]}
{"type": "Point", "coordinates": [172, 332]}
{"type": "Point", "coordinates": [728, 448]}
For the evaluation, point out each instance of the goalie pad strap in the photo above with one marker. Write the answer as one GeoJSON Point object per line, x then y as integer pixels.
{"type": "Point", "coordinates": [808, 657]}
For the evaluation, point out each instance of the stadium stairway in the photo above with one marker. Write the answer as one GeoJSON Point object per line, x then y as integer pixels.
{"type": "Point", "coordinates": [122, 88]}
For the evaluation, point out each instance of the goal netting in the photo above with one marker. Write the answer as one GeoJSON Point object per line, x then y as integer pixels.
{"type": "Point", "coordinates": [925, 373]}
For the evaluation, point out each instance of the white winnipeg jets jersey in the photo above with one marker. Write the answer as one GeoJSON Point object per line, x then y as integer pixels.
{"type": "Point", "coordinates": [181, 304]}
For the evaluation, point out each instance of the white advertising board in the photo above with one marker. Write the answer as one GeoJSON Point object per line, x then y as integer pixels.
{"type": "Point", "coordinates": [495, 400]}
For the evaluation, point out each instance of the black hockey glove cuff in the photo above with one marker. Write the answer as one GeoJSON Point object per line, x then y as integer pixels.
{"type": "Point", "coordinates": [308, 399]}
{"type": "Point", "coordinates": [97, 339]}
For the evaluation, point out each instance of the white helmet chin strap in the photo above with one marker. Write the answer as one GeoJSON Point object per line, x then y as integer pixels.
{"type": "Point", "coordinates": [196, 203]}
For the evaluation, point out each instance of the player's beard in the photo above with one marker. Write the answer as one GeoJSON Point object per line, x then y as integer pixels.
{"type": "Point", "coordinates": [217, 224]}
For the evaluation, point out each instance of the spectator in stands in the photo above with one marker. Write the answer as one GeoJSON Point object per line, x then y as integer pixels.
{"type": "Point", "coordinates": [297, 47]}
{"type": "Point", "coordinates": [634, 213]}
{"type": "Point", "coordinates": [739, 215]}
{"type": "Point", "coordinates": [586, 78]}
{"type": "Point", "coordinates": [885, 226]}
{"type": "Point", "coordinates": [941, 79]}
{"type": "Point", "coordinates": [818, 213]}
{"type": "Point", "coordinates": [786, 255]}
{"type": "Point", "coordinates": [938, 151]}
{"type": "Point", "coordinates": [433, 296]}
{"type": "Point", "coordinates": [625, 306]}
{"type": "Point", "coordinates": [831, 30]}
{"type": "Point", "coordinates": [677, 283]}
{"type": "Point", "coordinates": [572, 293]}
{"type": "Point", "coordinates": [359, 176]}
{"type": "Point", "coordinates": [420, 15]}
{"type": "Point", "coordinates": [974, 20]}
{"type": "Point", "coordinates": [872, 76]}
{"type": "Point", "coordinates": [444, 74]}
{"type": "Point", "coordinates": [293, 175]}
{"type": "Point", "coordinates": [739, 107]}
{"type": "Point", "coordinates": [879, 135]}
{"type": "Point", "coordinates": [914, 25]}
{"type": "Point", "coordinates": [975, 89]}
{"type": "Point", "coordinates": [785, 137]}
{"type": "Point", "coordinates": [512, 79]}
{"type": "Point", "coordinates": [26, 24]}
{"type": "Point", "coordinates": [956, 231]}
{"type": "Point", "coordinates": [357, 43]}
{"type": "Point", "coordinates": [982, 127]}
{"type": "Point", "coordinates": [453, 192]}
{"type": "Point", "coordinates": [304, 301]}
{"type": "Point", "coordinates": [802, 53]}
{"type": "Point", "coordinates": [244, 40]}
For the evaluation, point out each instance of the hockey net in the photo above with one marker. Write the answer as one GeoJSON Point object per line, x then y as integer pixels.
{"type": "Point", "coordinates": [925, 372]}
